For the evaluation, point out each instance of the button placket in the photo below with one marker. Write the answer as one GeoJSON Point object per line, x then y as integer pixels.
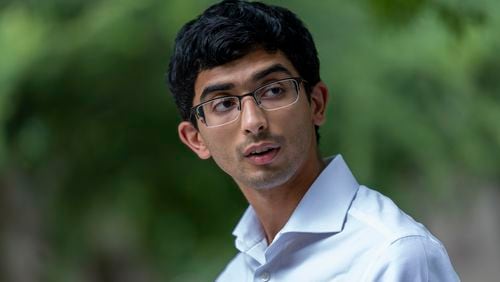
{"type": "Point", "coordinates": [265, 276]}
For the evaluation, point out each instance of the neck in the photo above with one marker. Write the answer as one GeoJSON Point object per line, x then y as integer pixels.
{"type": "Point", "coordinates": [275, 206]}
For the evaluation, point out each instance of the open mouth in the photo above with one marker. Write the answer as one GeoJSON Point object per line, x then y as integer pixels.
{"type": "Point", "coordinates": [261, 152]}
{"type": "Point", "coordinates": [263, 155]}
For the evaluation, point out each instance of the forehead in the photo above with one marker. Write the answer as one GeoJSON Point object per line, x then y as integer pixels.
{"type": "Point", "coordinates": [244, 72]}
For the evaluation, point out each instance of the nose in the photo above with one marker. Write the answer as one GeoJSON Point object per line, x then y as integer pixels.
{"type": "Point", "coordinates": [253, 118]}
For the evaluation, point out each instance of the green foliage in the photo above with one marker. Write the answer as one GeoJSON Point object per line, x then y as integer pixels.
{"type": "Point", "coordinates": [86, 118]}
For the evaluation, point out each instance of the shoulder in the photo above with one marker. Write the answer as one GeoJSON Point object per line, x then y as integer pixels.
{"type": "Point", "coordinates": [405, 249]}
{"type": "Point", "coordinates": [412, 258]}
{"type": "Point", "coordinates": [383, 217]}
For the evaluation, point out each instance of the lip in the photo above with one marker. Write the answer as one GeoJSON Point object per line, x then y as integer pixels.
{"type": "Point", "coordinates": [265, 158]}
{"type": "Point", "coordinates": [259, 147]}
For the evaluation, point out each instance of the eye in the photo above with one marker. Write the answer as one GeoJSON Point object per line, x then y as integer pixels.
{"type": "Point", "coordinates": [273, 92]}
{"type": "Point", "coordinates": [224, 104]}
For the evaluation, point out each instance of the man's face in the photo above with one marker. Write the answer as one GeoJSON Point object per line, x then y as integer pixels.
{"type": "Point", "coordinates": [261, 149]}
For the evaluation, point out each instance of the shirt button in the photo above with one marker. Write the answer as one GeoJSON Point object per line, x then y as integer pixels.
{"type": "Point", "coordinates": [265, 276]}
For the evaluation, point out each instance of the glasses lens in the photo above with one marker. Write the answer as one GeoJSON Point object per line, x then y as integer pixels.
{"type": "Point", "coordinates": [273, 96]}
{"type": "Point", "coordinates": [220, 111]}
{"type": "Point", "coordinates": [278, 94]}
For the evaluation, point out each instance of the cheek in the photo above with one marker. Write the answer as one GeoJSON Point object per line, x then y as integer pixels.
{"type": "Point", "coordinates": [224, 159]}
{"type": "Point", "coordinates": [300, 128]}
{"type": "Point", "coordinates": [221, 148]}
{"type": "Point", "coordinates": [297, 121]}
{"type": "Point", "coordinates": [215, 145]}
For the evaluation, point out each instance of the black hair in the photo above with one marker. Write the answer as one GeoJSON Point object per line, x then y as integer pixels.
{"type": "Point", "coordinates": [229, 30]}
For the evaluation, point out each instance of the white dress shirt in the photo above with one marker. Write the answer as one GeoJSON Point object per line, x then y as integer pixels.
{"type": "Point", "coordinates": [340, 231]}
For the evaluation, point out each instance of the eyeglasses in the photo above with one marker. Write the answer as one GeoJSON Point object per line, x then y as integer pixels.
{"type": "Point", "coordinates": [270, 97]}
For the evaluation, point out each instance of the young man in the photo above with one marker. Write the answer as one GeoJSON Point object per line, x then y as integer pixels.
{"type": "Point", "coordinates": [245, 77]}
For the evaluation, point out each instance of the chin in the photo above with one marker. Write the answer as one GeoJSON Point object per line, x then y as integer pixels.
{"type": "Point", "coordinates": [268, 181]}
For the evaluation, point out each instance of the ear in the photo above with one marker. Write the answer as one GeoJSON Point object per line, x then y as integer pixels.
{"type": "Point", "coordinates": [191, 136]}
{"type": "Point", "coordinates": [319, 99]}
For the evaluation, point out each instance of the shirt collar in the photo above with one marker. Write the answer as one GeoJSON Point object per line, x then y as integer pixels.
{"type": "Point", "coordinates": [324, 206]}
{"type": "Point", "coordinates": [322, 209]}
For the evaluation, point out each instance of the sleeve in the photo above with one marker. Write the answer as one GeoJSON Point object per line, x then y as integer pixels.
{"type": "Point", "coordinates": [413, 259]}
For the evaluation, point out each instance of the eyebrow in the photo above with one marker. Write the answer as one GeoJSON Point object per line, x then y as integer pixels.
{"type": "Point", "coordinates": [215, 88]}
{"type": "Point", "coordinates": [276, 68]}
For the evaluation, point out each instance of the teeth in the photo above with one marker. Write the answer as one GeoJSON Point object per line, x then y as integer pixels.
{"type": "Point", "coordinates": [260, 150]}
{"type": "Point", "coordinates": [263, 149]}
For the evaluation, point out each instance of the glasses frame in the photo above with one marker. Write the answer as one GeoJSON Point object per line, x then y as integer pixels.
{"type": "Point", "coordinates": [195, 110]}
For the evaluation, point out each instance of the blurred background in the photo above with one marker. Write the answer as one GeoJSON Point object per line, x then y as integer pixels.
{"type": "Point", "coordinates": [96, 186]}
